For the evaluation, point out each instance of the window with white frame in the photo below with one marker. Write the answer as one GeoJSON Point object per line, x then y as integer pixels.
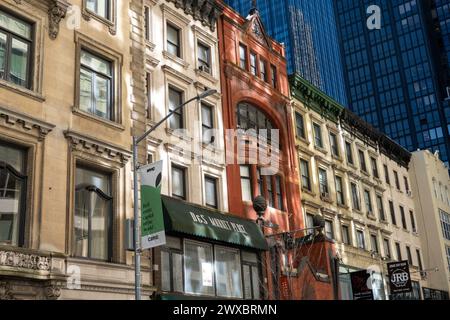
{"type": "Point", "coordinates": [246, 183]}
{"type": "Point", "coordinates": [198, 268]}
{"type": "Point", "coordinates": [211, 192]}
{"type": "Point", "coordinates": [179, 182]}
{"type": "Point", "coordinates": [176, 121]}
{"type": "Point", "coordinates": [445, 224]}
{"type": "Point", "coordinates": [360, 239]}
{"type": "Point", "coordinates": [228, 272]}
{"type": "Point", "coordinates": [323, 182]}
{"type": "Point", "coordinates": [204, 57]}
{"type": "Point", "coordinates": [173, 40]}
{"type": "Point", "coordinates": [207, 124]}
{"type": "Point", "coordinates": [101, 8]}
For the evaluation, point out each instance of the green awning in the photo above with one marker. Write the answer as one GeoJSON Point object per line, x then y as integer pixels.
{"type": "Point", "coordinates": [191, 219]}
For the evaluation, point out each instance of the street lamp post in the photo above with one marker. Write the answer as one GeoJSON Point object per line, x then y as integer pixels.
{"type": "Point", "coordinates": [137, 236]}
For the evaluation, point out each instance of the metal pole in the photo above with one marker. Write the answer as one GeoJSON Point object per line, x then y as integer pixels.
{"type": "Point", "coordinates": [137, 240]}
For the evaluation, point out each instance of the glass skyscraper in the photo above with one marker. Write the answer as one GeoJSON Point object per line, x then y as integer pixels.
{"type": "Point", "coordinates": [308, 30]}
{"type": "Point", "coordinates": [397, 77]}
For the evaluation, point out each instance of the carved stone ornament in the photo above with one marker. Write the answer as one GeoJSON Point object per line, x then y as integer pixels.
{"type": "Point", "coordinates": [56, 12]}
{"type": "Point", "coordinates": [52, 292]}
{"type": "Point", "coordinates": [206, 11]}
{"type": "Point", "coordinates": [5, 291]}
{"type": "Point", "coordinates": [25, 261]}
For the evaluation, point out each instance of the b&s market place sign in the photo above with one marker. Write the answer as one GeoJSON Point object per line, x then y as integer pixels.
{"type": "Point", "coordinates": [218, 223]}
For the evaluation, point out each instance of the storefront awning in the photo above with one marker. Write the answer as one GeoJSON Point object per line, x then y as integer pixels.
{"type": "Point", "coordinates": [183, 217]}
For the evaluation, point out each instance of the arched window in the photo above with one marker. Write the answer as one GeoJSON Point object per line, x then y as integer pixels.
{"type": "Point", "coordinates": [250, 117]}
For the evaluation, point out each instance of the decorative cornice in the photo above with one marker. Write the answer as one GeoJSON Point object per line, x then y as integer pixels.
{"type": "Point", "coordinates": [206, 11]}
{"type": "Point", "coordinates": [23, 122]}
{"type": "Point", "coordinates": [177, 74]}
{"type": "Point", "coordinates": [25, 261]}
{"type": "Point", "coordinates": [83, 143]}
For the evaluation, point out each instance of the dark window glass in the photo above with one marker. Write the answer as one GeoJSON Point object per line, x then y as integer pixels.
{"type": "Point", "coordinates": [270, 193]}
{"type": "Point", "coordinates": [175, 100]}
{"type": "Point", "coordinates": [204, 57]}
{"type": "Point", "coordinates": [253, 67]}
{"type": "Point", "coordinates": [179, 182]}
{"type": "Point", "coordinates": [405, 179]}
{"type": "Point", "coordinates": [250, 275]}
{"type": "Point", "coordinates": [408, 254]}
{"type": "Point", "coordinates": [306, 180]}
{"type": "Point", "coordinates": [93, 215]}
{"type": "Point", "coordinates": [374, 243]}
{"type": "Point", "coordinates": [349, 152]}
{"type": "Point", "coordinates": [340, 191]}
{"type": "Point", "coordinates": [413, 221]}
{"type": "Point", "coordinates": [346, 235]}
{"type": "Point", "coordinates": [387, 249]}
{"type": "Point", "coordinates": [263, 70]}
{"type": "Point", "coordinates": [355, 197]}
{"type": "Point", "coordinates": [399, 251]}
{"type": "Point", "coordinates": [386, 175]}
{"type": "Point", "coordinates": [274, 76]}
{"type": "Point", "coordinates": [250, 117]}
{"type": "Point", "coordinates": [96, 81]}
{"type": "Point", "coordinates": [148, 89]}
{"type": "Point", "coordinates": [397, 181]}
{"type": "Point", "coordinates": [392, 211]}
{"type": "Point", "coordinates": [419, 259]}
{"type": "Point", "coordinates": [368, 201]}
{"type": "Point", "coordinates": [13, 184]}
{"type": "Point", "coordinates": [318, 142]}
{"type": "Point", "coordinates": [300, 125]}
{"type": "Point", "coordinates": [207, 124]}
{"type": "Point", "coordinates": [329, 229]}
{"type": "Point", "coordinates": [374, 167]}
{"type": "Point", "coordinates": [402, 214]}
{"type": "Point", "coordinates": [381, 208]}
{"type": "Point", "coordinates": [334, 145]}
{"type": "Point", "coordinates": [362, 160]}
{"type": "Point", "coordinates": [279, 192]}
{"type": "Point", "coordinates": [100, 8]}
{"type": "Point", "coordinates": [243, 56]}
{"type": "Point", "coordinates": [147, 22]}
{"type": "Point", "coordinates": [173, 40]}
{"type": "Point", "coordinates": [360, 239]}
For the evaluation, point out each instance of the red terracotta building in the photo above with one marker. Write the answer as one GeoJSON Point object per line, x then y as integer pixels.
{"type": "Point", "coordinates": [255, 91]}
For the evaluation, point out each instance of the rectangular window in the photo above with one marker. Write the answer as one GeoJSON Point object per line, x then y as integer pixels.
{"type": "Point", "coordinates": [318, 142]}
{"type": "Point", "coordinates": [250, 275]}
{"type": "Point", "coordinates": [329, 229]}
{"type": "Point", "coordinates": [360, 239]}
{"type": "Point", "coordinates": [340, 197]}
{"type": "Point", "coordinates": [263, 70]}
{"type": "Point", "coordinates": [399, 251]}
{"type": "Point", "coordinates": [93, 218]}
{"type": "Point", "coordinates": [101, 8]}
{"type": "Point", "coordinates": [274, 76]}
{"type": "Point", "coordinates": [413, 221]}
{"type": "Point", "coordinates": [204, 57]}
{"type": "Point", "coordinates": [243, 57]}
{"type": "Point", "coordinates": [392, 211]}
{"type": "Point", "coordinates": [448, 257]}
{"type": "Point", "coordinates": [270, 194]}
{"type": "Point", "coordinates": [387, 248]}
{"type": "Point", "coordinates": [346, 235]}
{"type": "Point", "coordinates": [147, 23]}
{"type": "Point", "coordinates": [368, 201]}
{"type": "Point", "coordinates": [403, 216]}
{"type": "Point", "coordinates": [16, 41]}
{"type": "Point", "coordinates": [334, 145]}
{"type": "Point", "coordinates": [349, 152]}
{"type": "Point", "coordinates": [386, 175]}
{"type": "Point", "coordinates": [279, 193]}
{"type": "Point", "coordinates": [381, 208]}
{"type": "Point", "coordinates": [246, 184]}
{"type": "Point", "coordinates": [198, 268]}
{"type": "Point", "coordinates": [96, 80]}
{"type": "Point", "coordinates": [207, 124]}
{"type": "Point", "coordinates": [374, 167]}
{"type": "Point", "coordinates": [300, 125]}
{"type": "Point", "coordinates": [408, 254]}
{"type": "Point", "coordinates": [397, 181]}
{"type": "Point", "coordinates": [176, 121]}
{"type": "Point", "coordinates": [173, 40]}
{"type": "Point", "coordinates": [306, 178]}
{"type": "Point", "coordinates": [362, 160]}
{"type": "Point", "coordinates": [374, 243]}
{"type": "Point", "coordinates": [148, 91]}
{"type": "Point", "coordinates": [356, 202]}
{"type": "Point", "coordinates": [261, 180]}
{"type": "Point", "coordinates": [13, 186]}
{"type": "Point", "coordinates": [405, 180]}
{"type": "Point", "coordinates": [419, 259]}
{"type": "Point", "coordinates": [253, 67]}
{"type": "Point", "coordinates": [228, 272]}
{"type": "Point", "coordinates": [179, 182]}
{"type": "Point", "coordinates": [310, 223]}
{"type": "Point", "coordinates": [211, 192]}
{"type": "Point", "coordinates": [323, 183]}
{"type": "Point", "coordinates": [445, 224]}
{"type": "Point", "coordinates": [172, 266]}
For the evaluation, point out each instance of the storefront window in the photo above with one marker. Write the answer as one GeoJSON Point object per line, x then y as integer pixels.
{"type": "Point", "coordinates": [250, 276]}
{"type": "Point", "coordinates": [198, 268]}
{"type": "Point", "coordinates": [228, 273]}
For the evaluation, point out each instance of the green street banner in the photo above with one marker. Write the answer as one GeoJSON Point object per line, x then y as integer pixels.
{"type": "Point", "coordinates": [152, 220]}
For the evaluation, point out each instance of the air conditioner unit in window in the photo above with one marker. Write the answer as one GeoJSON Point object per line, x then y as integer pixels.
{"type": "Point", "coordinates": [205, 69]}
{"type": "Point", "coordinates": [324, 195]}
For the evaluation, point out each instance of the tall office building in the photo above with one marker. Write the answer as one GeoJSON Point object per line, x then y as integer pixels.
{"type": "Point", "coordinates": [308, 30]}
{"type": "Point", "coordinates": [397, 76]}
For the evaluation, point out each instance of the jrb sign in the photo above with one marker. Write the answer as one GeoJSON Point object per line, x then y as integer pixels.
{"type": "Point", "coordinates": [152, 220]}
{"type": "Point", "coordinates": [399, 277]}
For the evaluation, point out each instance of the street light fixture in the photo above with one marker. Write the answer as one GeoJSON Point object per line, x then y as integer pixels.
{"type": "Point", "coordinates": [137, 237]}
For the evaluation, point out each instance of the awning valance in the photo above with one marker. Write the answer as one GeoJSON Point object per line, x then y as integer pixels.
{"type": "Point", "coordinates": [191, 219]}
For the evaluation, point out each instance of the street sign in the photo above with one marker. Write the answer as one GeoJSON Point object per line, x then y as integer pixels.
{"type": "Point", "coordinates": [360, 280]}
{"type": "Point", "coordinates": [399, 277]}
{"type": "Point", "coordinates": [152, 220]}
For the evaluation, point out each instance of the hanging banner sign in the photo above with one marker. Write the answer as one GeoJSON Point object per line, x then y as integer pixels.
{"type": "Point", "coordinates": [399, 277]}
{"type": "Point", "coordinates": [152, 220]}
{"type": "Point", "coordinates": [360, 280]}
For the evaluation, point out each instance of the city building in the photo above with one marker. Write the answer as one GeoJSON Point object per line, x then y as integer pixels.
{"type": "Point", "coordinates": [357, 179]}
{"type": "Point", "coordinates": [65, 122]}
{"type": "Point", "coordinates": [308, 31]}
{"type": "Point", "coordinates": [210, 251]}
{"type": "Point", "coordinates": [430, 184]}
{"type": "Point", "coordinates": [397, 75]}
{"type": "Point", "coordinates": [261, 158]}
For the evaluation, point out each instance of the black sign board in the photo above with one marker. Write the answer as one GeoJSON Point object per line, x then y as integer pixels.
{"type": "Point", "coordinates": [359, 280]}
{"type": "Point", "coordinates": [399, 277]}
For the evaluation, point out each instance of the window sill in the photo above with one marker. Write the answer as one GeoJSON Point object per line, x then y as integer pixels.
{"type": "Point", "coordinates": [22, 91]}
{"type": "Point", "coordinates": [207, 76]}
{"type": "Point", "coordinates": [88, 14]}
{"type": "Point", "coordinates": [371, 216]}
{"type": "Point", "coordinates": [175, 133]}
{"type": "Point", "coordinates": [150, 45]}
{"type": "Point", "coordinates": [108, 123]}
{"type": "Point", "coordinates": [320, 149]}
{"type": "Point", "coordinates": [308, 192]}
{"type": "Point", "coordinates": [337, 158]}
{"type": "Point", "coordinates": [326, 199]}
{"type": "Point", "coordinates": [343, 206]}
{"type": "Point", "coordinates": [303, 139]}
{"type": "Point", "coordinates": [175, 59]}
